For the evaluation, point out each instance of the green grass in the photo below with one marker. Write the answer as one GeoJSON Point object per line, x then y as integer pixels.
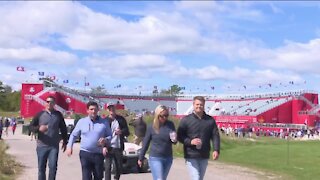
{"type": "Point", "coordinates": [9, 114]}
{"type": "Point", "coordinates": [291, 159]}
{"type": "Point", "coordinates": [285, 159]}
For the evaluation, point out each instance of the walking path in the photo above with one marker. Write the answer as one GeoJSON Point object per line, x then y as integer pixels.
{"type": "Point", "coordinates": [24, 150]}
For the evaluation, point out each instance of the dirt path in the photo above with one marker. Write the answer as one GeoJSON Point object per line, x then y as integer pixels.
{"type": "Point", "coordinates": [23, 149]}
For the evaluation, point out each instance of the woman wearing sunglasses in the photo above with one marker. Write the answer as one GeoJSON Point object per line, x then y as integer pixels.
{"type": "Point", "coordinates": [161, 134]}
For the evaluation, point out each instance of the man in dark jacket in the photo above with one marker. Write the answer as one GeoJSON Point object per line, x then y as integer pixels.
{"type": "Point", "coordinates": [47, 124]}
{"type": "Point", "coordinates": [140, 128]}
{"type": "Point", "coordinates": [195, 132]}
{"type": "Point", "coordinates": [120, 131]}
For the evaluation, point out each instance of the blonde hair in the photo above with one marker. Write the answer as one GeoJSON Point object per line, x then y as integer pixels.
{"type": "Point", "coordinates": [157, 111]}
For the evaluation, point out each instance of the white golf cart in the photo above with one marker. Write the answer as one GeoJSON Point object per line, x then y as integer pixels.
{"type": "Point", "coordinates": [130, 158]}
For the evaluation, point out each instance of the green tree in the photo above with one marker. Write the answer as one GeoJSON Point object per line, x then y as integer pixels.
{"type": "Point", "coordinates": [1, 87]}
{"type": "Point", "coordinates": [13, 101]}
{"type": "Point", "coordinates": [98, 90]}
{"type": "Point", "coordinates": [172, 90]}
{"type": "Point", "coordinates": [9, 100]}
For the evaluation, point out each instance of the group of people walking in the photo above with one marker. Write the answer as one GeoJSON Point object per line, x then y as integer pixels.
{"type": "Point", "coordinates": [102, 141]}
{"type": "Point", "coordinates": [5, 124]}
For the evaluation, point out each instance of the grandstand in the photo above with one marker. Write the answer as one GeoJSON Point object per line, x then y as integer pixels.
{"type": "Point", "coordinates": [292, 109]}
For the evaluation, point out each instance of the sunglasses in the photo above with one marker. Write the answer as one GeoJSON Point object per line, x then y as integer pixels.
{"type": "Point", "coordinates": [164, 116]}
{"type": "Point", "coordinates": [50, 102]}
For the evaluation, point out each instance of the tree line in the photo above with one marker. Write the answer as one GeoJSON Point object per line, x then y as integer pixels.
{"type": "Point", "coordinates": [9, 99]}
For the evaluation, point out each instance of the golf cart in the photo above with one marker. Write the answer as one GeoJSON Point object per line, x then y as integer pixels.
{"type": "Point", "coordinates": [130, 158]}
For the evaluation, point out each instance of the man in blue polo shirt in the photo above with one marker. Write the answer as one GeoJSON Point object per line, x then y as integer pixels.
{"type": "Point", "coordinates": [95, 133]}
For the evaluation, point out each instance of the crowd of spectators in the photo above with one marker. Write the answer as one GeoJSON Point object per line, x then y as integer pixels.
{"type": "Point", "coordinates": [255, 132]}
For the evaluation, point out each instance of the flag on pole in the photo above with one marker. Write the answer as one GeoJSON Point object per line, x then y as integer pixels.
{"type": "Point", "coordinates": [41, 73]}
{"type": "Point", "coordinates": [20, 68]}
{"type": "Point", "coordinates": [118, 86]}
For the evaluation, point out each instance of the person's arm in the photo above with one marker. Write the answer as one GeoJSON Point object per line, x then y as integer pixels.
{"type": "Point", "coordinates": [75, 134]}
{"type": "Point", "coordinates": [63, 129]}
{"type": "Point", "coordinates": [34, 124]}
{"type": "Point", "coordinates": [146, 143]}
{"type": "Point", "coordinates": [215, 141]}
{"type": "Point", "coordinates": [182, 133]}
{"type": "Point", "coordinates": [173, 128]}
{"type": "Point", "coordinates": [108, 134]}
{"type": "Point", "coordinates": [124, 127]}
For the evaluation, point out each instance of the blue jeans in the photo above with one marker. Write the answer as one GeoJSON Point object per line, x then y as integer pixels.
{"type": "Point", "coordinates": [160, 167]}
{"type": "Point", "coordinates": [44, 154]}
{"type": "Point", "coordinates": [91, 164]}
{"type": "Point", "coordinates": [197, 167]}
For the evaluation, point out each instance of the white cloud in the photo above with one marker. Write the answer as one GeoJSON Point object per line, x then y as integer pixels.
{"type": "Point", "coordinates": [245, 76]}
{"type": "Point", "coordinates": [230, 10]}
{"type": "Point", "coordinates": [275, 9]}
{"type": "Point", "coordinates": [130, 66]}
{"type": "Point", "coordinates": [13, 78]}
{"type": "Point", "coordinates": [82, 28]}
{"type": "Point", "coordinates": [179, 31]}
{"type": "Point", "coordinates": [141, 47]}
{"type": "Point", "coordinates": [298, 57]}
{"type": "Point", "coordinates": [36, 54]}
{"type": "Point", "coordinates": [153, 66]}
{"type": "Point", "coordinates": [26, 23]}
{"type": "Point", "coordinates": [147, 35]}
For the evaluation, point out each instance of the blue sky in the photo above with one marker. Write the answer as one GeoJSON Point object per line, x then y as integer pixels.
{"type": "Point", "coordinates": [235, 47]}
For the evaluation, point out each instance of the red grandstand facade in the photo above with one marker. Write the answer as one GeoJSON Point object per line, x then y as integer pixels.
{"type": "Point", "coordinates": [300, 108]}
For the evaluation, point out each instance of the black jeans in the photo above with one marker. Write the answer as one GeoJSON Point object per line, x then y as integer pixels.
{"type": "Point", "coordinates": [91, 163]}
{"type": "Point", "coordinates": [115, 154]}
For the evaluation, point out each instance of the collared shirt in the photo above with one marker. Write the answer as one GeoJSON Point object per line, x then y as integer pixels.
{"type": "Point", "coordinates": [115, 140]}
{"type": "Point", "coordinates": [90, 131]}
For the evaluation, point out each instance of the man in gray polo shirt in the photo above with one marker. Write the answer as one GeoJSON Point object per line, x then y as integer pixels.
{"type": "Point", "coordinates": [47, 124]}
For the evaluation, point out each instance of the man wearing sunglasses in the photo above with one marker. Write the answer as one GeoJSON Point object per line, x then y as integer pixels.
{"type": "Point", "coordinates": [47, 124]}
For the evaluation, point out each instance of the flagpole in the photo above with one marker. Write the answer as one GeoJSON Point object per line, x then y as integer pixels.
{"type": "Point", "coordinates": [85, 81]}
